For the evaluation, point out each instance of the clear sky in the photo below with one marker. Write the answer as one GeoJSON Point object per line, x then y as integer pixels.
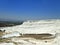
{"type": "Point", "coordinates": [29, 9]}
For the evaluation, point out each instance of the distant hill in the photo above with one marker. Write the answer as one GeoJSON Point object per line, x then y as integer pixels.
{"type": "Point", "coordinates": [10, 23]}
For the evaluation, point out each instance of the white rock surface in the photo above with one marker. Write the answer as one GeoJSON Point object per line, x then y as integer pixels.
{"type": "Point", "coordinates": [42, 26]}
{"type": "Point", "coordinates": [7, 44]}
{"type": "Point", "coordinates": [13, 34]}
{"type": "Point", "coordinates": [37, 27]}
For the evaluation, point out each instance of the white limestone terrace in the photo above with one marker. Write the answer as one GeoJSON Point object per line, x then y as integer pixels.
{"type": "Point", "coordinates": [7, 44]}
{"type": "Point", "coordinates": [36, 27]}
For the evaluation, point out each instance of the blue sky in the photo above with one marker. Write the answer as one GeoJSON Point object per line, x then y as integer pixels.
{"type": "Point", "coordinates": [29, 9]}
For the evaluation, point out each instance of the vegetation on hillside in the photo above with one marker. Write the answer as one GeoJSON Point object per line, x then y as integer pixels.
{"type": "Point", "coordinates": [9, 23]}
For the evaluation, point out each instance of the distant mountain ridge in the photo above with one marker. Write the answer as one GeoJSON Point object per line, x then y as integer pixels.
{"type": "Point", "coordinates": [10, 23]}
